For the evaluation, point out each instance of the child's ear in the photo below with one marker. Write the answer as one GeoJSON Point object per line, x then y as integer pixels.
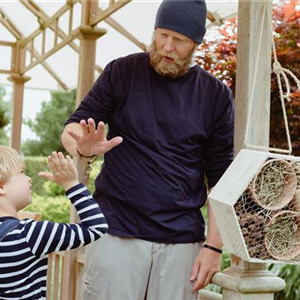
{"type": "Point", "coordinates": [2, 190]}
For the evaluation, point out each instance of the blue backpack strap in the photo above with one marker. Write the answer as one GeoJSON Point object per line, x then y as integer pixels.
{"type": "Point", "coordinates": [7, 226]}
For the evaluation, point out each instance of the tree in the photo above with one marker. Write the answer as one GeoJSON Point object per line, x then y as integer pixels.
{"type": "Point", "coordinates": [288, 51]}
{"type": "Point", "coordinates": [4, 117]}
{"type": "Point", "coordinates": [218, 56]}
{"type": "Point", "coordinates": [49, 123]}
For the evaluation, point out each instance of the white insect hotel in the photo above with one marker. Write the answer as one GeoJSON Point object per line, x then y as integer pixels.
{"type": "Point", "coordinates": [257, 207]}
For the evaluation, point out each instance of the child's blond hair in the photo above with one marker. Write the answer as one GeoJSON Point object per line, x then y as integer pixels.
{"type": "Point", "coordinates": [10, 163]}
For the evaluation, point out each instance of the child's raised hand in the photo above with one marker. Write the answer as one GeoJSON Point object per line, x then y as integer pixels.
{"type": "Point", "coordinates": [63, 170]}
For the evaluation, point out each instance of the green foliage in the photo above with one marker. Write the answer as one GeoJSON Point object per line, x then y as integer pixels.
{"type": "Point", "coordinates": [49, 123]}
{"type": "Point", "coordinates": [218, 56]}
{"type": "Point", "coordinates": [49, 198]}
{"type": "Point", "coordinates": [52, 208]}
{"type": "Point", "coordinates": [53, 190]}
{"type": "Point", "coordinates": [33, 166]}
{"type": "Point", "coordinates": [204, 212]}
{"type": "Point", "coordinates": [290, 274]}
{"type": "Point", "coordinates": [4, 117]}
{"type": "Point", "coordinates": [288, 52]}
{"type": "Point", "coordinates": [96, 167]}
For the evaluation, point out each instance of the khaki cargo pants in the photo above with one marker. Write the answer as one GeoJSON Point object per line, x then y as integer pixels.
{"type": "Point", "coordinates": [134, 269]}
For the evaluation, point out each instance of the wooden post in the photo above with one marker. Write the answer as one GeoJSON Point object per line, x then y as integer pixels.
{"type": "Point", "coordinates": [87, 60]}
{"type": "Point", "coordinates": [87, 57]}
{"type": "Point", "coordinates": [244, 280]}
{"type": "Point", "coordinates": [249, 24]}
{"type": "Point", "coordinates": [17, 109]}
{"type": "Point", "coordinates": [18, 81]}
{"type": "Point", "coordinates": [86, 74]}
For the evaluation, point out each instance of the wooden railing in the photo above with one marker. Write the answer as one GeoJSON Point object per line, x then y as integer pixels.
{"type": "Point", "coordinates": [56, 273]}
{"type": "Point", "coordinates": [243, 280]}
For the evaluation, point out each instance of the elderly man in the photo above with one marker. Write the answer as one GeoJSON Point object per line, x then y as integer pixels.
{"type": "Point", "coordinates": [170, 139]}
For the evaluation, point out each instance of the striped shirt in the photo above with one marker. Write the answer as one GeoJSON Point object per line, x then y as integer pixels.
{"type": "Point", "coordinates": [24, 251]}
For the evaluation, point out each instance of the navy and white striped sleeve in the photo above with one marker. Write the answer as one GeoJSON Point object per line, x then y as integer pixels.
{"type": "Point", "coordinates": [46, 237]}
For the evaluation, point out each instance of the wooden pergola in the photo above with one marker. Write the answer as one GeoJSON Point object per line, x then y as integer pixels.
{"type": "Point", "coordinates": [244, 280]}
{"type": "Point", "coordinates": [26, 55]}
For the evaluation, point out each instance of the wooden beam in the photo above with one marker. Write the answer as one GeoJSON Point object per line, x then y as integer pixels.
{"type": "Point", "coordinates": [2, 71]}
{"type": "Point", "coordinates": [18, 60]}
{"type": "Point", "coordinates": [47, 67]}
{"type": "Point", "coordinates": [216, 20]}
{"type": "Point", "coordinates": [17, 109]}
{"type": "Point", "coordinates": [8, 24]}
{"type": "Point", "coordinates": [12, 46]}
{"type": "Point", "coordinates": [38, 12]}
{"type": "Point", "coordinates": [113, 7]}
{"type": "Point", "coordinates": [110, 21]}
{"type": "Point", "coordinates": [87, 50]}
{"type": "Point", "coordinates": [32, 7]}
{"type": "Point", "coordinates": [46, 24]}
{"type": "Point", "coordinates": [73, 35]}
{"type": "Point", "coordinates": [7, 44]}
{"type": "Point", "coordinates": [13, 29]}
{"type": "Point", "coordinates": [249, 26]}
{"type": "Point", "coordinates": [210, 17]}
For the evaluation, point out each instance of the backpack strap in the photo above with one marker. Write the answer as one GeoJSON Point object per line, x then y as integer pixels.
{"type": "Point", "coordinates": [7, 226]}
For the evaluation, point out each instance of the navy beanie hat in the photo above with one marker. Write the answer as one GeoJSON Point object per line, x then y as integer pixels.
{"type": "Point", "coordinates": [187, 17]}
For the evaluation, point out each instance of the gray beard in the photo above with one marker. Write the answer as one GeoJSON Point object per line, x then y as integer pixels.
{"type": "Point", "coordinates": [176, 69]}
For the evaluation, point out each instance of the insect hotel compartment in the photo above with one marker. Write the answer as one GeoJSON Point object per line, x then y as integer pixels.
{"type": "Point", "coordinates": [256, 204]}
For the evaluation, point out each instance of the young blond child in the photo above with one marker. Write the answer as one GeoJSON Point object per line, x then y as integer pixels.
{"type": "Point", "coordinates": [25, 247]}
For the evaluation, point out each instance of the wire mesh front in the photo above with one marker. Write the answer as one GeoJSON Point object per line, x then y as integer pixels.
{"type": "Point", "coordinates": [268, 212]}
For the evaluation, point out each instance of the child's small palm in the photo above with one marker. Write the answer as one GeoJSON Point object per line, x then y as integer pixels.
{"type": "Point", "coordinates": [63, 170]}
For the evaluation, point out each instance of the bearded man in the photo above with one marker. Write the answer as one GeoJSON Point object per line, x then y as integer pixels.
{"type": "Point", "coordinates": [170, 126]}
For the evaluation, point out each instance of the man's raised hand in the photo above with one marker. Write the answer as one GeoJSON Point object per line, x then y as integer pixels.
{"type": "Point", "coordinates": [93, 141]}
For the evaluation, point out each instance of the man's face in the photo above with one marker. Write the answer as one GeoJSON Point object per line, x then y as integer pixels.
{"type": "Point", "coordinates": [171, 53]}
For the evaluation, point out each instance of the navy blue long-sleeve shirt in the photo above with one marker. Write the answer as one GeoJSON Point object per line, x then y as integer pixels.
{"type": "Point", "coordinates": [175, 131]}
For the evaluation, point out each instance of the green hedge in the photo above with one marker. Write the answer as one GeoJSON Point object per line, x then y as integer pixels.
{"type": "Point", "coordinates": [52, 208]}
{"type": "Point", "coordinates": [49, 198]}
{"type": "Point", "coordinates": [33, 166]}
{"type": "Point", "coordinates": [96, 167]}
